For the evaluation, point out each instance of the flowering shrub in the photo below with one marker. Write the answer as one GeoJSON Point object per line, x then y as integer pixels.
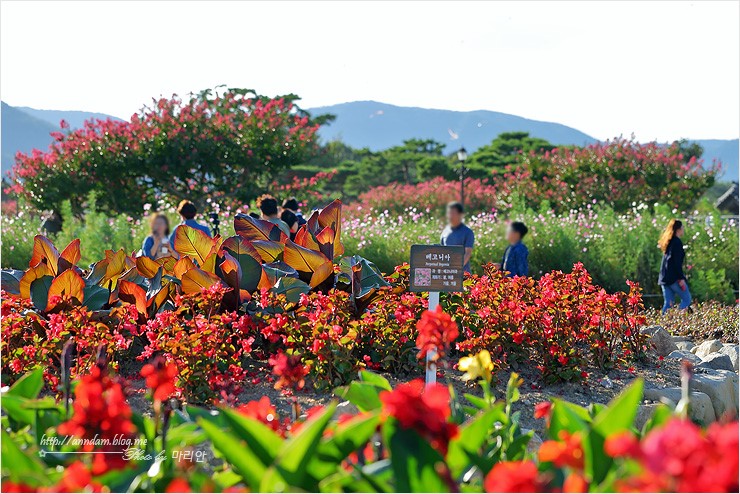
{"type": "Point", "coordinates": [407, 439]}
{"type": "Point", "coordinates": [561, 322]}
{"type": "Point", "coordinates": [222, 142]}
{"type": "Point", "coordinates": [618, 173]}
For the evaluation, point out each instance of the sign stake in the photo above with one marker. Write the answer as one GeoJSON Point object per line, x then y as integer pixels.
{"type": "Point", "coordinates": [431, 366]}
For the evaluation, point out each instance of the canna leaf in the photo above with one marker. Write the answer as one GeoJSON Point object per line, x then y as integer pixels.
{"type": "Point", "coordinates": [31, 275]}
{"type": "Point", "coordinates": [182, 266]}
{"type": "Point", "coordinates": [69, 284]}
{"type": "Point", "coordinates": [133, 294]}
{"type": "Point", "coordinates": [313, 267]}
{"type": "Point", "coordinates": [44, 252]}
{"type": "Point", "coordinates": [254, 229]}
{"type": "Point", "coordinates": [70, 256]}
{"type": "Point", "coordinates": [147, 267]}
{"type": "Point", "coordinates": [238, 246]}
{"type": "Point", "coordinates": [196, 280]}
{"type": "Point", "coordinates": [194, 243]}
{"type": "Point", "coordinates": [268, 251]}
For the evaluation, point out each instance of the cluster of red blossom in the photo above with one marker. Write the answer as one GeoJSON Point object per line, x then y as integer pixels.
{"type": "Point", "coordinates": [619, 173]}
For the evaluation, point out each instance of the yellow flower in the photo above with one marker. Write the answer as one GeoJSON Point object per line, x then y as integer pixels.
{"type": "Point", "coordinates": [476, 366]}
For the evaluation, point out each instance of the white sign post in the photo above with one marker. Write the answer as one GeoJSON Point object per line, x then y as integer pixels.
{"type": "Point", "coordinates": [431, 368]}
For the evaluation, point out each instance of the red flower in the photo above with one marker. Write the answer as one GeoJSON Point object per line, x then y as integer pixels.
{"type": "Point", "coordinates": [436, 331]}
{"type": "Point", "coordinates": [513, 476]}
{"type": "Point", "coordinates": [568, 451]}
{"type": "Point", "coordinates": [263, 411]}
{"type": "Point", "coordinates": [100, 412]}
{"type": "Point", "coordinates": [160, 378]}
{"type": "Point", "coordinates": [289, 370]}
{"type": "Point", "coordinates": [76, 478]}
{"type": "Point", "coordinates": [542, 409]}
{"type": "Point", "coordinates": [623, 444]}
{"type": "Point", "coordinates": [178, 485]}
{"type": "Point", "coordinates": [424, 410]}
{"type": "Point", "coordinates": [575, 482]}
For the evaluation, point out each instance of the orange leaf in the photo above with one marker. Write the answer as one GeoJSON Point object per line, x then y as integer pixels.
{"type": "Point", "coordinates": [31, 275]}
{"type": "Point", "coordinates": [268, 251]}
{"type": "Point", "coordinates": [44, 251]}
{"type": "Point", "coordinates": [146, 267]}
{"type": "Point", "coordinates": [118, 264]}
{"type": "Point", "coordinates": [313, 266]}
{"type": "Point", "coordinates": [253, 229]}
{"type": "Point", "coordinates": [209, 265]}
{"type": "Point", "coordinates": [183, 265]}
{"type": "Point", "coordinates": [304, 238]}
{"type": "Point", "coordinates": [331, 216]}
{"type": "Point", "coordinates": [133, 294]}
{"type": "Point", "coordinates": [196, 280]}
{"type": "Point", "coordinates": [193, 242]}
{"type": "Point", "coordinates": [69, 284]}
{"type": "Point", "coordinates": [71, 253]}
{"type": "Point", "coordinates": [168, 263]}
{"type": "Point", "coordinates": [238, 245]}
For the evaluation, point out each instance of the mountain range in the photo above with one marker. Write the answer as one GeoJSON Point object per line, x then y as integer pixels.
{"type": "Point", "coordinates": [362, 124]}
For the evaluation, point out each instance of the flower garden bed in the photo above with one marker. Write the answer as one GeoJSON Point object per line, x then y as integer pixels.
{"type": "Point", "coordinates": [237, 321]}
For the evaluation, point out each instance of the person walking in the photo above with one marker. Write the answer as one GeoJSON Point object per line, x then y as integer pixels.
{"type": "Point", "coordinates": [457, 233]}
{"type": "Point", "coordinates": [516, 255]}
{"type": "Point", "coordinates": [269, 207]}
{"type": "Point", "coordinates": [187, 212]}
{"type": "Point", "coordinates": [157, 244]}
{"type": "Point", "coordinates": [671, 279]}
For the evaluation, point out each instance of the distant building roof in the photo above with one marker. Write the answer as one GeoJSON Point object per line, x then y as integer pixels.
{"type": "Point", "coordinates": [729, 200]}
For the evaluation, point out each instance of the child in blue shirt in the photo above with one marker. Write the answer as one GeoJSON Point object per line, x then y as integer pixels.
{"type": "Point", "coordinates": [516, 255]}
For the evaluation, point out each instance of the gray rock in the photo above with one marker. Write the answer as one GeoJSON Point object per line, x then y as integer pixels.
{"type": "Point", "coordinates": [644, 413]}
{"type": "Point", "coordinates": [660, 339]}
{"type": "Point", "coordinates": [709, 346]}
{"type": "Point", "coordinates": [700, 409]}
{"type": "Point", "coordinates": [731, 351]}
{"type": "Point", "coordinates": [694, 349]}
{"type": "Point", "coordinates": [684, 355]}
{"type": "Point", "coordinates": [685, 345]}
{"type": "Point", "coordinates": [716, 361]}
{"type": "Point", "coordinates": [533, 446]}
{"type": "Point", "coordinates": [721, 387]}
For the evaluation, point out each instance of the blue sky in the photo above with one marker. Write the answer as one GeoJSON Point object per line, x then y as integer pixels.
{"type": "Point", "coordinates": [660, 70]}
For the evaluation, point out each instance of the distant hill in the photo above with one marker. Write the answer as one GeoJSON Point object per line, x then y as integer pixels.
{"type": "Point", "coordinates": [361, 124]}
{"type": "Point", "coordinates": [379, 126]}
{"type": "Point", "coordinates": [21, 132]}
{"type": "Point", "coordinates": [24, 129]}
{"type": "Point", "coordinates": [74, 118]}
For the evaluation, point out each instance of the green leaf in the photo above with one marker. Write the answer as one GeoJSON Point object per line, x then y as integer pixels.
{"type": "Point", "coordinates": [264, 441]}
{"type": "Point", "coordinates": [413, 460]}
{"type": "Point", "coordinates": [349, 437]}
{"type": "Point", "coordinates": [40, 291]}
{"type": "Point", "coordinates": [241, 458]}
{"type": "Point", "coordinates": [251, 271]}
{"type": "Point", "coordinates": [660, 416]}
{"type": "Point", "coordinates": [20, 466]}
{"type": "Point", "coordinates": [617, 417]}
{"type": "Point", "coordinates": [10, 280]}
{"type": "Point", "coordinates": [292, 288]}
{"type": "Point", "coordinates": [29, 386]}
{"type": "Point", "coordinates": [477, 402]}
{"type": "Point", "coordinates": [95, 297]}
{"type": "Point", "coordinates": [472, 436]}
{"type": "Point", "coordinates": [363, 395]}
{"type": "Point", "coordinates": [375, 379]}
{"type": "Point", "coordinates": [569, 417]}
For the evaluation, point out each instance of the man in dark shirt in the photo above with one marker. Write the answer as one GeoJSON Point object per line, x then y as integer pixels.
{"type": "Point", "coordinates": [292, 206]}
{"type": "Point", "coordinates": [457, 233]}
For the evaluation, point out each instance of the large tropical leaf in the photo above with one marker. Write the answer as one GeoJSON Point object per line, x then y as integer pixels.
{"type": "Point", "coordinates": [268, 251]}
{"type": "Point", "coordinates": [40, 291]}
{"type": "Point", "coordinates": [331, 217]}
{"type": "Point", "coordinates": [273, 271]}
{"type": "Point", "coordinates": [44, 252]}
{"type": "Point", "coordinates": [254, 229]}
{"type": "Point", "coordinates": [133, 294]}
{"type": "Point", "coordinates": [10, 280]}
{"type": "Point", "coordinates": [68, 284]}
{"type": "Point", "coordinates": [325, 239]}
{"type": "Point", "coordinates": [182, 266]}
{"type": "Point", "coordinates": [70, 256]}
{"type": "Point", "coordinates": [238, 245]}
{"type": "Point", "coordinates": [196, 280]}
{"type": "Point", "coordinates": [118, 264]}
{"type": "Point", "coordinates": [241, 271]}
{"type": "Point", "coordinates": [147, 267]}
{"type": "Point", "coordinates": [31, 275]}
{"type": "Point", "coordinates": [313, 267]}
{"type": "Point", "coordinates": [292, 288]}
{"type": "Point", "coordinates": [193, 242]}
{"type": "Point", "coordinates": [304, 238]}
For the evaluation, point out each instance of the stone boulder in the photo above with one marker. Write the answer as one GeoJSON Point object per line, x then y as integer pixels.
{"type": "Point", "coordinates": [709, 346]}
{"type": "Point", "coordinates": [731, 351]}
{"type": "Point", "coordinates": [721, 387]}
{"type": "Point", "coordinates": [685, 346]}
{"type": "Point", "coordinates": [716, 361]}
{"type": "Point", "coordinates": [660, 339]}
{"type": "Point", "coordinates": [700, 410]}
{"type": "Point", "coordinates": [684, 355]}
